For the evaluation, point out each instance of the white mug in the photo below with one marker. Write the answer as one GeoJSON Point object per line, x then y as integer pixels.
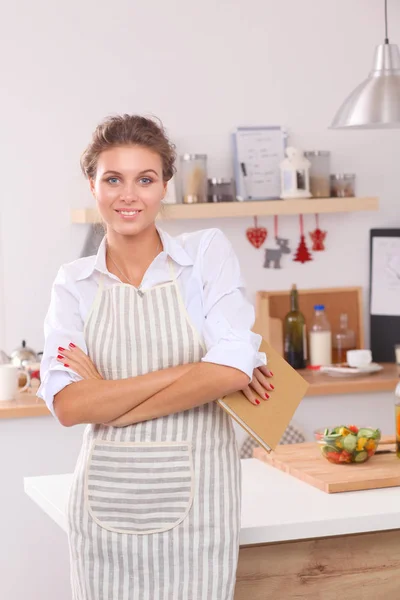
{"type": "Point", "coordinates": [9, 376]}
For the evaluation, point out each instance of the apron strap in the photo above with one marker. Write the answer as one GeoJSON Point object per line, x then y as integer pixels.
{"type": "Point", "coordinates": [171, 269]}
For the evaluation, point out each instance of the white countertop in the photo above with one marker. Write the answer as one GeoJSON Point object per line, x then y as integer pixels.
{"type": "Point", "coordinates": [275, 506]}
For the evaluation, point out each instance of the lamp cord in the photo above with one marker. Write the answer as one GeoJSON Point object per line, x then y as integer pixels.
{"type": "Point", "coordinates": [386, 24]}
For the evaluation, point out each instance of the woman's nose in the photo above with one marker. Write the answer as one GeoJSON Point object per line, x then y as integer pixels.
{"type": "Point", "coordinates": [129, 193]}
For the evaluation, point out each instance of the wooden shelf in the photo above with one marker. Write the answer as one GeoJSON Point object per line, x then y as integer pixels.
{"type": "Point", "coordinates": [247, 209]}
{"type": "Point", "coordinates": [25, 404]}
{"type": "Point", "coordinates": [322, 384]}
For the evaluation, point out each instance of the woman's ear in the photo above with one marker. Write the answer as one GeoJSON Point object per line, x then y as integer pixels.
{"type": "Point", "coordinates": [91, 185]}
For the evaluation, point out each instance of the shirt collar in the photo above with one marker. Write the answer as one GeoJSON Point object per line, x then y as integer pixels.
{"type": "Point", "coordinates": [172, 247]}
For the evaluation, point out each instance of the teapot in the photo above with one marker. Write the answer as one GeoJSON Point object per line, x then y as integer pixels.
{"type": "Point", "coordinates": [21, 356]}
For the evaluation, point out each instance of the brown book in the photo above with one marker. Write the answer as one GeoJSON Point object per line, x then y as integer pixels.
{"type": "Point", "coordinates": [266, 423]}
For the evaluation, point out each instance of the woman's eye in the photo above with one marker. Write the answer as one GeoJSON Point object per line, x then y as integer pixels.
{"type": "Point", "coordinates": [113, 180]}
{"type": "Point", "coordinates": [145, 180]}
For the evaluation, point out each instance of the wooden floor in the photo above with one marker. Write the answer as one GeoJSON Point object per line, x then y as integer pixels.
{"type": "Point", "coordinates": [357, 567]}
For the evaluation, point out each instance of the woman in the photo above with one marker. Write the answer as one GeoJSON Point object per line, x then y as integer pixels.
{"type": "Point", "coordinates": [140, 341]}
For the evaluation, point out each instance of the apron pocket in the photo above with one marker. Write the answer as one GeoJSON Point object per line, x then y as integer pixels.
{"type": "Point", "coordinates": [139, 487]}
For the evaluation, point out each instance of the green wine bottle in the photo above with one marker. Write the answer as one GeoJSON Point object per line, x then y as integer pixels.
{"type": "Point", "coordinates": [295, 338]}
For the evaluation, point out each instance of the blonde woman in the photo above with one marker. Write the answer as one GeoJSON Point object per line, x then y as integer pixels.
{"type": "Point", "coordinates": [140, 341]}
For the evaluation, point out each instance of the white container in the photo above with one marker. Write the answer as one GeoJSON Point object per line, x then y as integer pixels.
{"type": "Point", "coordinates": [9, 376]}
{"type": "Point", "coordinates": [320, 339]}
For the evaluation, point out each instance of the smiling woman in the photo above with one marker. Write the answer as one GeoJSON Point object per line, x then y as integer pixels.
{"type": "Point", "coordinates": [141, 339]}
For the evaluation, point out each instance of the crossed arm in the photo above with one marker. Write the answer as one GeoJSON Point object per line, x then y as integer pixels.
{"type": "Point", "coordinates": [126, 401]}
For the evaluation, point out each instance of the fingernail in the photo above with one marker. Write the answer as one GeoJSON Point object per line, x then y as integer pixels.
{"type": "Point", "coordinates": [257, 401]}
{"type": "Point", "coordinates": [72, 345]}
{"type": "Point", "coordinates": [267, 396]}
{"type": "Point", "coordinates": [59, 356]}
{"type": "Point", "coordinates": [65, 365]}
{"type": "Point", "coordinates": [271, 373]}
{"type": "Point", "coordinates": [61, 349]}
{"type": "Point", "coordinates": [272, 386]}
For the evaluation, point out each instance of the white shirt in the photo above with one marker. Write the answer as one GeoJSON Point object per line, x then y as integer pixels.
{"type": "Point", "coordinates": [208, 275]}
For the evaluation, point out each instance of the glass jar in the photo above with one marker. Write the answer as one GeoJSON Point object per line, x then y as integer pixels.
{"type": "Point", "coordinates": [220, 190]}
{"type": "Point", "coordinates": [320, 338]}
{"type": "Point", "coordinates": [193, 177]}
{"type": "Point", "coordinates": [343, 185]}
{"type": "Point", "coordinates": [319, 173]}
{"type": "Point", "coordinates": [344, 339]}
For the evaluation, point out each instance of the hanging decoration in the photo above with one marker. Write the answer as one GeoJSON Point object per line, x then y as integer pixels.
{"type": "Point", "coordinates": [256, 235]}
{"type": "Point", "coordinates": [273, 255]}
{"type": "Point", "coordinates": [317, 237]}
{"type": "Point", "coordinates": [302, 255]}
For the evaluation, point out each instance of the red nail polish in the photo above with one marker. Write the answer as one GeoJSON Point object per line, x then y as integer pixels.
{"type": "Point", "coordinates": [257, 401]}
{"type": "Point", "coordinates": [272, 386]}
{"type": "Point", "coordinates": [59, 356]}
{"type": "Point", "coordinates": [60, 349]}
{"type": "Point", "coordinates": [271, 373]}
{"type": "Point", "coordinates": [72, 345]}
{"type": "Point", "coordinates": [65, 365]}
{"type": "Point", "coordinates": [267, 396]}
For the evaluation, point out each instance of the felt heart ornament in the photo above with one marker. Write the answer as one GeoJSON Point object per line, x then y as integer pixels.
{"type": "Point", "coordinates": [256, 235]}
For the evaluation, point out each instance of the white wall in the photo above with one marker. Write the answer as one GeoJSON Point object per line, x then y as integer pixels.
{"type": "Point", "coordinates": [203, 67]}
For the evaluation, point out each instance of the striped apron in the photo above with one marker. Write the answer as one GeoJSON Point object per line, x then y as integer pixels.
{"type": "Point", "coordinates": [154, 508]}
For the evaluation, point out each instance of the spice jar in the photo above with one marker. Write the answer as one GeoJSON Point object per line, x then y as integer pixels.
{"type": "Point", "coordinates": [193, 173]}
{"type": "Point", "coordinates": [319, 173]}
{"type": "Point", "coordinates": [343, 185]}
{"type": "Point", "coordinates": [220, 190]}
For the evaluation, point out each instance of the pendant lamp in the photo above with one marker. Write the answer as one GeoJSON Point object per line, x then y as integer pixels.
{"type": "Point", "coordinates": [375, 103]}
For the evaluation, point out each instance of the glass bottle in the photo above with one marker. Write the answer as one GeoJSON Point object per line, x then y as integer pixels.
{"type": "Point", "coordinates": [295, 338]}
{"type": "Point", "coordinates": [397, 418]}
{"type": "Point", "coordinates": [320, 338]}
{"type": "Point", "coordinates": [344, 339]}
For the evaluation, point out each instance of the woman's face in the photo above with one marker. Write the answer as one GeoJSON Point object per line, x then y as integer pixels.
{"type": "Point", "coordinates": [128, 187]}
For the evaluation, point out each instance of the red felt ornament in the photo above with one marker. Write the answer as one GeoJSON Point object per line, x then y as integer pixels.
{"type": "Point", "coordinates": [317, 237]}
{"type": "Point", "coordinates": [302, 255]}
{"type": "Point", "coordinates": [256, 235]}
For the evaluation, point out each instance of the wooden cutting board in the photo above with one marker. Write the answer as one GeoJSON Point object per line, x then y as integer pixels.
{"type": "Point", "coordinates": [305, 462]}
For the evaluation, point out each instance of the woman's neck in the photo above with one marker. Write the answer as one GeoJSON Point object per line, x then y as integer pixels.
{"type": "Point", "coordinates": [132, 254]}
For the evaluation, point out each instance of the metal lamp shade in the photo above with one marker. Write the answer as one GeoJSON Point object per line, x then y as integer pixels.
{"type": "Point", "coordinates": [375, 103]}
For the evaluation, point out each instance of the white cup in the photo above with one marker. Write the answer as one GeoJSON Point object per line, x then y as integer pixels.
{"type": "Point", "coordinates": [359, 358]}
{"type": "Point", "coordinates": [9, 376]}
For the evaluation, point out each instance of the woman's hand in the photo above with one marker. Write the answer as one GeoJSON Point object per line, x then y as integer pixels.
{"type": "Point", "coordinates": [78, 361]}
{"type": "Point", "coordinates": [259, 387]}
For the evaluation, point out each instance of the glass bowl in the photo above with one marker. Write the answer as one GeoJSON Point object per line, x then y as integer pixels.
{"type": "Point", "coordinates": [343, 444]}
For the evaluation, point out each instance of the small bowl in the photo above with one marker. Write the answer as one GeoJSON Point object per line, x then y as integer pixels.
{"type": "Point", "coordinates": [343, 444]}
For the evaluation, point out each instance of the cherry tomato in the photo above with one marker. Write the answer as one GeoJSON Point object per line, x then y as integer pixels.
{"type": "Point", "coordinates": [353, 428]}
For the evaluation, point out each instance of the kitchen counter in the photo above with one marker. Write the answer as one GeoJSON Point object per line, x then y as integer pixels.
{"type": "Point", "coordinates": [26, 404]}
{"type": "Point", "coordinates": [293, 533]}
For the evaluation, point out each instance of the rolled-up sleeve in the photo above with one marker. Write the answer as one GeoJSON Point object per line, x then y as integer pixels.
{"type": "Point", "coordinates": [63, 324]}
{"type": "Point", "coordinates": [229, 316]}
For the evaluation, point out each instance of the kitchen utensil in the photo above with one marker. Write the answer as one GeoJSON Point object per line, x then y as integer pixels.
{"type": "Point", "coordinates": [304, 462]}
{"type": "Point", "coordinates": [22, 355]}
{"type": "Point", "coordinates": [9, 375]}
